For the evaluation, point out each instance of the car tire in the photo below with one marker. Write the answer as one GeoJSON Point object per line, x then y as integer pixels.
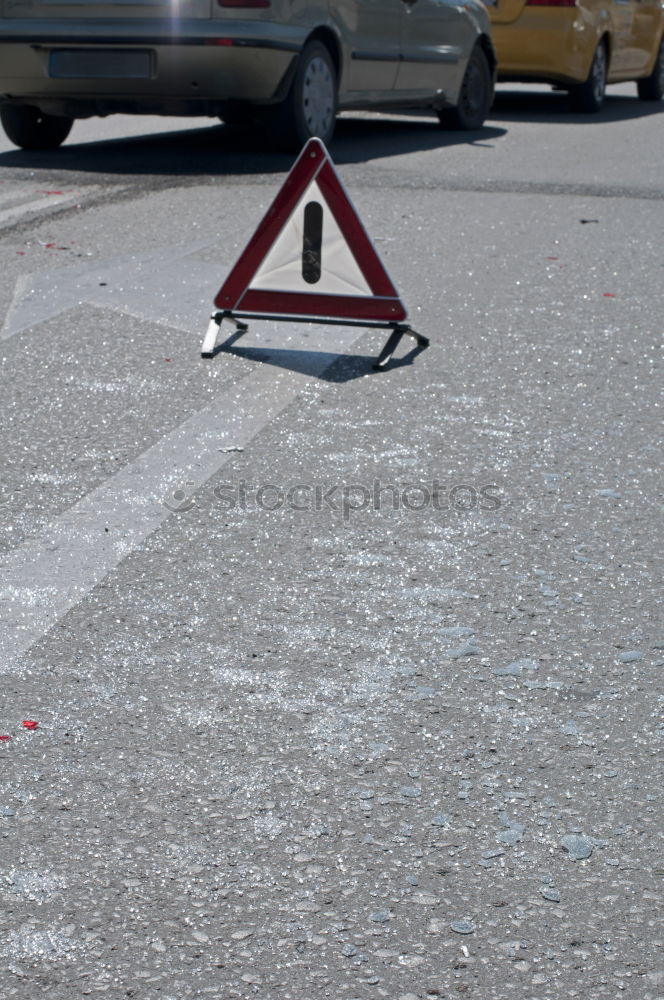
{"type": "Point", "coordinates": [589, 95]}
{"type": "Point", "coordinates": [651, 88]}
{"type": "Point", "coordinates": [311, 106]}
{"type": "Point", "coordinates": [475, 96]}
{"type": "Point", "coordinates": [30, 128]}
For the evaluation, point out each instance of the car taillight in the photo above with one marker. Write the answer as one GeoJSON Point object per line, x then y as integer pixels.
{"type": "Point", "coordinates": [551, 3]}
{"type": "Point", "coordinates": [243, 3]}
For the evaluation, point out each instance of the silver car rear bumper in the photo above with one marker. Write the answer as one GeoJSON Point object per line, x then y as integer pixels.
{"type": "Point", "coordinates": [159, 69]}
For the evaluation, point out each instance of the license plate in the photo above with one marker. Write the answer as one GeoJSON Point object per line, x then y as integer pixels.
{"type": "Point", "coordinates": [97, 64]}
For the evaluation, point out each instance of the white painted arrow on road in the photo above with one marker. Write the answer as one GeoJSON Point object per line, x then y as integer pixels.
{"type": "Point", "coordinates": [164, 286]}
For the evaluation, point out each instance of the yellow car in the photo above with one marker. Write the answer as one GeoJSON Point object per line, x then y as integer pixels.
{"type": "Point", "coordinates": [581, 45]}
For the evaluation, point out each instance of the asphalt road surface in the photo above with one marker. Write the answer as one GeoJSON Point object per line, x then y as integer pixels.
{"type": "Point", "coordinates": [319, 681]}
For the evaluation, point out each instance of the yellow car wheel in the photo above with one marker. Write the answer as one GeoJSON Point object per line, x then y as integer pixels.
{"type": "Point", "coordinates": [589, 95]}
{"type": "Point", "coordinates": [651, 88]}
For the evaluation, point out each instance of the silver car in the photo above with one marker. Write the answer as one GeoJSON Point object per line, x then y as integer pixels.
{"type": "Point", "coordinates": [288, 64]}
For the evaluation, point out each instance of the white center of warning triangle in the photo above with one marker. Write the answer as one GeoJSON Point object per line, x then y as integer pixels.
{"type": "Point", "coordinates": [281, 269]}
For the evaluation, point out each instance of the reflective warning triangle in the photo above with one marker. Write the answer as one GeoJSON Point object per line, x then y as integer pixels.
{"type": "Point", "coordinates": [311, 256]}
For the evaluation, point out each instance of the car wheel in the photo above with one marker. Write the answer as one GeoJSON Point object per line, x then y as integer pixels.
{"type": "Point", "coordinates": [475, 96]}
{"type": "Point", "coordinates": [651, 88]}
{"type": "Point", "coordinates": [311, 106]}
{"type": "Point", "coordinates": [589, 95]}
{"type": "Point", "coordinates": [30, 128]}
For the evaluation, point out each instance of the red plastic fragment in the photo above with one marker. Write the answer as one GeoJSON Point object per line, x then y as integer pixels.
{"type": "Point", "coordinates": [30, 724]}
{"type": "Point", "coordinates": [4, 737]}
{"type": "Point", "coordinates": [608, 295]}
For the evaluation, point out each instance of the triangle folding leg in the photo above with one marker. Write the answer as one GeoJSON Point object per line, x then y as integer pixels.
{"type": "Point", "coordinates": [399, 330]}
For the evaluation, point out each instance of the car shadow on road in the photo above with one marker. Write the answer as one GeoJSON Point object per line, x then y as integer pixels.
{"type": "Point", "coordinates": [552, 106]}
{"type": "Point", "coordinates": [218, 150]}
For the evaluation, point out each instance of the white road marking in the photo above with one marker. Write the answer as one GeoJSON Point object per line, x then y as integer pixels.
{"type": "Point", "coordinates": [21, 289]}
{"type": "Point", "coordinates": [10, 215]}
{"type": "Point", "coordinates": [47, 576]}
{"type": "Point", "coordinates": [162, 285]}
{"type": "Point", "coordinates": [21, 200]}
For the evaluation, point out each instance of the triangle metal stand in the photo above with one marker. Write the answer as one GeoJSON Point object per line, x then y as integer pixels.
{"type": "Point", "coordinates": [399, 330]}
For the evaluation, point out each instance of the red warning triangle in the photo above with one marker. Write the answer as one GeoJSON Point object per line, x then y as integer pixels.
{"type": "Point", "coordinates": [311, 256]}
